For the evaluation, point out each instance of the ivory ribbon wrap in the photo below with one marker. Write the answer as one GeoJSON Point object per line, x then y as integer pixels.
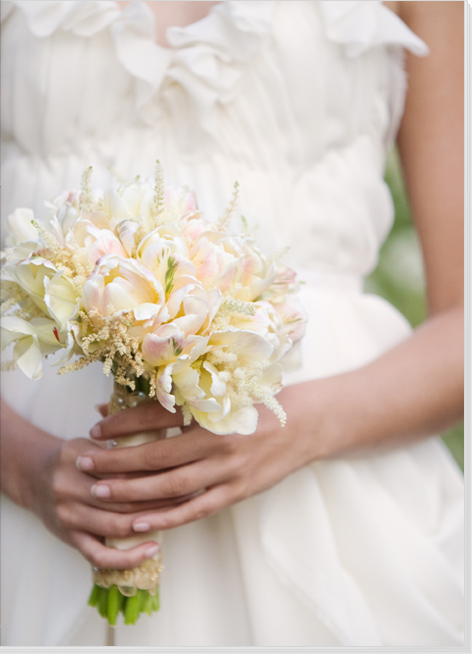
{"type": "Point", "coordinates": [145, 576]}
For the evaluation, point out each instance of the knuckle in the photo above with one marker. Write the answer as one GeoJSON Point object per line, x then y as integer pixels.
{"type": "Point", "coordinates": [70, 450]}
{"type": "Point", "coordinates": [153, 458]}
{"type": "Point", "coordinates": [176, 485]}
{"type": "Point", "coordinates": [199, 513]}
{"type": "Point", "coordinates": [120, 528]}
{"type": "Point", "coordinates": [203, 510]}
{"type": "Point", "coordinates": [127, 492]}
{"type": "Point", "coordinates": [63, 513]}
{"type": "Point", "coordinates": [125, 507]}
{"type": "Point", "coordinates": [57, 484]}
{"type": "Point", "coordinates": [65, 453]}
{"type": "Point", "coordinates": [118, 491]}
{"type": "Point", "coordinates": [242, 490]}
{"type": "Point", "coordinates": [98, 559]}
{"type": "Point", "coordinates": [237, 464]}
{"type": "Point", "coordinates": [168, 521]}
{"type": "Point", "coordinates": [229, 444]}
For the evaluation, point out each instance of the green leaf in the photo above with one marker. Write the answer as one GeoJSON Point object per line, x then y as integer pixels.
{"type": "Point", "coordinates": [115, 600]}
{"type": "Point", "coordinates": [103, 603]}
{"type": "Point", "coordinates": [132, 608]}
{"type": "Point", "coordinates": [94, 595]}
{"type": "Point", "coordinates": [170, 273]}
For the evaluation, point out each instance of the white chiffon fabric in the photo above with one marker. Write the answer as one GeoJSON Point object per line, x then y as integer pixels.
{"type": "Point", "coordinates": [299, 102]}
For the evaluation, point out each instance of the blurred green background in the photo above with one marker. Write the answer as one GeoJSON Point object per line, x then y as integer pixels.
{"type": "Point", "coordinates": [399, 276]}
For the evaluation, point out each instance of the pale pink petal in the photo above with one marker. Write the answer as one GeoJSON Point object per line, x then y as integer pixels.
{"type": "Point", "coordinates": [91, 295]}
{"type": "Point", "coordinates": [106, 243]}
{"type": "Point", "coordinates": [146, 311]}
{"type": "Point", "coordinates": [164, 387]}
{"type": "Point", "coordinates": [126, 230]}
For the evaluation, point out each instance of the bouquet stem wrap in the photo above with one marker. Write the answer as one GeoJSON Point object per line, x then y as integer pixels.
{"type": "Point", "coordinates": [136, 590]}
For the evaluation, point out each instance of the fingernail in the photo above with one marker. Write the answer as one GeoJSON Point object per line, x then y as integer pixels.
{"type": "Point", "coordinates": [84, 463]}
{"type": "Point", "coordinates": [152, 551]}
{"type": "Point", "coordinates": [96, 432]}
{"type": "Point", "coordinates": [102, 492]}
{"type": "Point", "coordinates": [141, 526]}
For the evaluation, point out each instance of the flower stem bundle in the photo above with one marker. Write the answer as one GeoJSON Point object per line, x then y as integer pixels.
{"type": "Point", "coordinates": [110, 603]}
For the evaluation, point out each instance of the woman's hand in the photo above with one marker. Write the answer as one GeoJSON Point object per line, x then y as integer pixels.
{"type": "Point", "coordinates": [64, 502]}
{"type": "Point", "coordinates": [39, 472]}
{"type": "Point", "coordinates": [197, 472]}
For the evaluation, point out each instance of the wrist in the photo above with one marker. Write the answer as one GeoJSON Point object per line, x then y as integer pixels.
{"type": "Point", "coordinates": [25, 452]}
{"type": "Point", "coordinates": [328, 416]}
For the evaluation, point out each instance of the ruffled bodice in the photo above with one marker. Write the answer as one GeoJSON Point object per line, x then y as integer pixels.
{"type": "Point", "coordinates": [239, 95]}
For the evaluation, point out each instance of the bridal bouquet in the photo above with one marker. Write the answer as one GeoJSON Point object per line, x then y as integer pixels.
{"type": "Point", "coordinates": [178, 309]}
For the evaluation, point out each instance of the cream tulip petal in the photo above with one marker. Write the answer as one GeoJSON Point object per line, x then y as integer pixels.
{"type": "Point", "coordinates": [14, 324]}
{"type": "Point", "coordinates": [209, 405]}
{"type": "Point", "coordinates": [60, 298]}
{"type": "Point", "coordinates": [248, 345]}
{"type": "Point", "coordinates": [20, 227]}
{"type": "Point", "coordinates": [146, 311]}
{"type": "Point", "coordinates": [126, 229]}
{"type": "Point", "coordinates": [243, 421]}
{"type": "Point", "coordinates": [218, 387]}
{"type": "Point", "coordinates": [187, 381]}
{"type": "Point", "coordinates": [27, 356]}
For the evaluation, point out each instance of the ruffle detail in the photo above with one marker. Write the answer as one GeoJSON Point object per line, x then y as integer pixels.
{"type": "Point", "coordinates": [135, 44]}
{"type": "Point", "coordinates": [360, 25]}
{"type": "Point", "coordinates": [75, 16]}
{"type": "Point", "coordinates": [205, 59]}
{"type": "Point", "coordinates": [210, 56]}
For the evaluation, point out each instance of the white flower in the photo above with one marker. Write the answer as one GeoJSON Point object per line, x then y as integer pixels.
{"type": "Point", "coordinates": [20, 228]}
{"type": "Point", "coordinates": [120, 285]}
{"type": "Point", "coordinates": [32, 275]}
{"type": "Point", "coordinates": [34, 339]}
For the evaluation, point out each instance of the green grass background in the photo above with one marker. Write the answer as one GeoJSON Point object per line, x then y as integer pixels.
{"type": "Point", "coordinates": [399, 276]}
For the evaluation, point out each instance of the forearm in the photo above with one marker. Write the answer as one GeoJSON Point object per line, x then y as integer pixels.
{"type": "Point", "coordinates": [24, 450]}
{"type": "Point", "coordinates": [414, 390]}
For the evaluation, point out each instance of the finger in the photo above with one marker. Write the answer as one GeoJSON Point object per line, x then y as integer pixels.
{"type": "Point", "coordinates": [176, 483]}
{"type": "Point", "coordinates": [104, 523]}
{"type": "Point", "coordinates": [102, 556]}
{"type": "Point", "coordinates": [75, 489]}
{"type": "Point", "coordinates": [78, 517]}
{"type": "Point", "coordinates": [159, 455]}
{"type": "Point", "coordinates": [138, 506]}
{"type": "Point", "coordinates": [102, 410]}
{"type": "Point", "coordinates": [197, 508]}
{"type": "Point", "coordinates": [147, 416]}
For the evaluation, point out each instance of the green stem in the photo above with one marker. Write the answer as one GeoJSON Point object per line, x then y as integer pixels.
{"type": "Point", "coordinates": [115, 600]}
{"type": "Point", "coordinates": [132, 608]}
{"type": "Point", "coordinates": [110, 603]}
{"type": "Point", "coordinates": [94, 595]}
{"type": "Point", "coordinates": [103, 603]}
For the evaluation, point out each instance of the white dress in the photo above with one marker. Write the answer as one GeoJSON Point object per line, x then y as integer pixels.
{"type": "Point", "coordinates": [299, 102]}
